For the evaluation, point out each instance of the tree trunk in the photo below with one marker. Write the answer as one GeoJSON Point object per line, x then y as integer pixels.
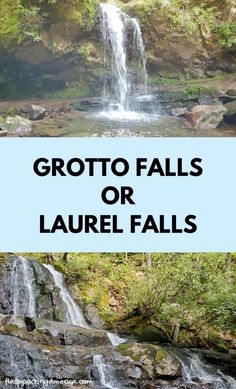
{"type": "Point", "coordinates": [50, 257]}
{"type": "Point", "coordinates": [229, 268]}
{"type": "Point", "coordinates": [176, 334]}
{"type": "Point", "coordinates": [149, 261]}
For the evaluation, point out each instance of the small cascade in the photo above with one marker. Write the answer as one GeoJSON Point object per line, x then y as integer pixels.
{"type": "Point", "coordinates": [115, 26]}
{"type": "Point", "coordinates": [195, 370]}
{"type": "Point", "coordinates": [105, 372]}
{"type": "Point", "coordinates": [115, 339]}
{"type": "Point", "coordinates": [23, 284]}
{"type": "Point", "coordinates": [74, 313]}
{"type": "Point", "coordinates": [138, 44]}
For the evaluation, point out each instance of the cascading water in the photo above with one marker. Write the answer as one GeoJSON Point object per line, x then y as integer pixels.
{"type": "Point", "coordinates": [115, 339]}
{"type": "Point", "coordinates": [113, 34]}
{"type": "Point", "coordinates": [105, 372]}
{"type": "Point", "coordinates": [115, 25]}
{"type": "Point", "coordinates": [74, 313]}
{"type": "Point", "coordinates": [138, 43]}
{"type": "Point", "coordinates": [195, 370]}
{"type": "Point", "coordinates": [23, 283]}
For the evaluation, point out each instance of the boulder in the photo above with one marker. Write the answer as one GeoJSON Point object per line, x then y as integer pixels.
{"type": "Point", "coordinates": [16, 124]}
{"type": "Point", "coordinates": [230, 114]}
{"type": "Point", "coordinates": [135, 373]}
{"type": "Point", "coordinates": [49, 332]}
{"type": "Point", "coordinates": [231, 92]}
{"type": "Point", "coordinates": [34, 112]}
{"type": "Point", "coordinates": [92, 315]}
{"type": "Point", "coordinates": [73, 335]}
{"type": "Point", "coordinates": [206, 116]}
{"type": "Point", "coordinates": [181, 111]}
{"type": "Point", "coordinates": [154, 360]}
{"type": "Point", "coordinates": [3, 133]}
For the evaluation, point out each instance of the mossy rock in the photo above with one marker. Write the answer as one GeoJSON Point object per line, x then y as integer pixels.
{"type": "Point", "coordinates": [161, 354]}
{"type": "Point", "coordinates": [218, 343]}
{"type": "Point", "coordinates": [155, 361]}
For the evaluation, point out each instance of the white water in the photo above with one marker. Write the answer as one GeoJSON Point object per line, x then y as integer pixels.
{"type": "Point", "coordinates": [115, 25]}
{"type": "Point", "coordinates": [139, 44]}
{"type": "Point", "coordinates": [105, 372]}
{"type": "Point", "coordinates": [113, 34]}
{"type": "Point", "coordinates": [23, 282]}
{"type": "Point", "coordinates": [74, 313]}
{"type": "Point", "coordinates": [115, 339]}
{"type": "Point", "coordinates": [195, 370]}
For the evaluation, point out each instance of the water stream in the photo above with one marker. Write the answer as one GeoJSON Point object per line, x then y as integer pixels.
{"type": "Point", "coordinates": [196, 371]}
{"type": "Point", "coordinates": [23, 284]}
{"type": "Point", "coordinates": [115, 25]}
{"type": "Point", "coordinates": [105, 372]}
{"type": "Point", "coordinates": [74, 313]}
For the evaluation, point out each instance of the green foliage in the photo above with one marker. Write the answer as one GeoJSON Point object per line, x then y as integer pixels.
{"type": "Point", "coordinates": [144, 9]}
{"type": "Point", "coordinates": [20, 19]}
{"type": "Point", "coordinates": [193, 91]}
{"type": "Point", "coordinates": [191, 16]}
{"type": "Point", "coordinates": [188, 288]}
{"type": "Point", "coordinates": [10, 19]}
{"type": "Point", "coordinates": [227, 34]}
{"type": "Point", "coordinates": [197, 291]}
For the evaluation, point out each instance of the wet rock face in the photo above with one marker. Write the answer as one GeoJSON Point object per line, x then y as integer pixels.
{"type": "Point", "coordinates": [51, 350]}
{"type": "Point", "coordinates": [16, 297]}
{"type": "Point", "coordinates": [26, 361]}
{"type": "Point", "coordinates": [20, 359]}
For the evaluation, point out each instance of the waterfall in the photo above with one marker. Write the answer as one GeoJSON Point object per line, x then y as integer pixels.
{"type": "Point", "coordinates": [196, 370]}
{"type": "Point", "coordinates": [23, 284]}
{"type": "Point", "coordinates": [24, 295]}
{"type": "Point", "coordinates": [115, 339]}
{"type": "Point", "coordinates": [139, 44]}
{"type": "Point", "coordinates": [74, 313]}
{"type": "Point", "coordinates": [113, 35]}
{"type": "Point", "coordinates": [105, 372]}
{"type": "Point", "coordinates": [115, 25]}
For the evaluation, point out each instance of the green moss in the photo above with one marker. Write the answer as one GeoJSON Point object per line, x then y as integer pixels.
{"type": "Point", "coordinates": [218, 343]}
{"type": "Point", "coordinates": [160, 356]}
{"type": "Point", "coordinates": [10, 328]}
{"type": "Point", "coordinates": [81, 11]}
{"type": "Point", "coordinates": [2, 255]}
{"type": "Point", "coordinates": [74, 90]}
{"type": "Point", "coordinates": [123, 347]}
{"type": "Point", "coordinates": [126, 350]}
{"type": "Point", "coordinates": [193, 91]}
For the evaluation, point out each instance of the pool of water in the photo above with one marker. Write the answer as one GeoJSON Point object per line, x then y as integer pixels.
{"type": "Point", "coordinates": [130, 124]}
